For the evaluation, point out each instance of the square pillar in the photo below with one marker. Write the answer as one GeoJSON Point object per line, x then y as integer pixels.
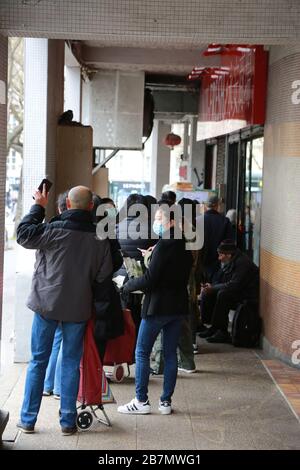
{"type": "Point", "coordinates": [73, 91]}
{"type": "Point", "coordinates": [3, 155]}
{"type": "Point", "coordinates": [160, 161]}
{"type": "Point", "coordinates": [44, 91]}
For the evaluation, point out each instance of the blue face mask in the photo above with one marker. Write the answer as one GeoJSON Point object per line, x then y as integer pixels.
{"type": "Point", "coordinates": [158, 228]}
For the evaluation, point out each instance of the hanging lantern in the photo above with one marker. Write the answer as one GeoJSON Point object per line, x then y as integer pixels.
{"type": "Point", "coordinates": [171, 140]}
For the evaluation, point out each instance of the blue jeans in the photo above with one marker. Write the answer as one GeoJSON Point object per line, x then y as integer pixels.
{"type": "Point", "coordinates": [53, 372]}
{"type": "Point", "coordinates": [149, 330]}
{"type": "Point", "coordinates": [42, 336]}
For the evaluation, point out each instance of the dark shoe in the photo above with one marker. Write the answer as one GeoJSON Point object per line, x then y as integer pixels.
{"type": "Point", "coordinates": [26, 428]}
{"type": "Point", "coordinates": [201, 329]}
{"type": "Point", "coordinates": [209, 332]}
{"type": "Point", "coordinates": [69, 431]}
{"type": "Point", "coordinates": [219, 337]}
{"type": "Point", "coordinates": [47, 394]}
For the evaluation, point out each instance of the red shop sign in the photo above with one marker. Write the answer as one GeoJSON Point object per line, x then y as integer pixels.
{"type": "Point", "coordinates": [238, 94]}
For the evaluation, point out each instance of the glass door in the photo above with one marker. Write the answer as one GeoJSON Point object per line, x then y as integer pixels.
{"type": "Point", "coordinates": [252, 197]}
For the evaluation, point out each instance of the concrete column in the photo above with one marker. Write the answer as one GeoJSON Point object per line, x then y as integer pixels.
{"type": "Point", "coordinates": [55, 106]}
{"type": "Point", "coordinates": [43, 105]}
{"type": "Point", "coordinates": [3, 155]}
{"type": "Point", "coordinates": [44, 82]}
{"type": "Point", "coordinates": [197, 155]}
{"type": "Point", "coordinates": [85, 103]}
{"type": "Point", "coordinates": [160, 161]}
{"type": "Point", "coordinates": [185, 164]}
{"type": "Point", "coordinates": [35, 116]}
{"type": "Point", "coordinates": [73, 91]}
{"type": "Point", "coordinates": [280, 224]}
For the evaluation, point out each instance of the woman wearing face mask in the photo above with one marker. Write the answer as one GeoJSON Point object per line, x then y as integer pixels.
{"type": "Point", "coordinates": [108, 213]}
{"type": "Point", "coordinates": [165, 305]}
{"type": "Point", "coordinates": [135, 236]}
{"type": "Point", "coordinates": [108, 311]}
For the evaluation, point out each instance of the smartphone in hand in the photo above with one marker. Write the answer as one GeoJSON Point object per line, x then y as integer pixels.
{"type": "Point", "coordinates": [48, 184]}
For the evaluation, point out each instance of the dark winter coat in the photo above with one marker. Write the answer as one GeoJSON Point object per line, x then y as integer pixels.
{"type": "Point", "coordinates": [165, 281]}
{"type": "Point", "coordinates": [217, 228]}
{"type": "Point", "coordinates": [69, 259]}
{"type": "Point", "coordinates": [126, 230]}
{"type": "Point", "coordinates": [239, 277]}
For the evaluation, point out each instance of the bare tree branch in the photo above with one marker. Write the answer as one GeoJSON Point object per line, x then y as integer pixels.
{"type": "Point", "coordinates": [14, 135]}
{"type": "Point", "coordinates": [15, 102]}
{"type": "Point", "coordinates": [18, 147]}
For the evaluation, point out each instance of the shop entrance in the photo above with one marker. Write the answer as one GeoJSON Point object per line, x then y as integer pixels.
{"type": "Point", "coordinates": [244, 190]}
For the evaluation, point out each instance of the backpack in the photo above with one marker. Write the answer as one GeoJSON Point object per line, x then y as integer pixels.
{"type": "Point", "coordinates": [246, 325]}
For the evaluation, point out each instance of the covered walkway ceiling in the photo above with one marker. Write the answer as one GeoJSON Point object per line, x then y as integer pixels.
{"type": "Point", "coordinates": [179, 62]}
{"type": "Point", "coordinates": [155, 36]}
{"type": "Point", "coordinates": [178, 24]}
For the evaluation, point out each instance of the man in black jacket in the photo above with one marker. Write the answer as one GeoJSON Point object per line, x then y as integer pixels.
{"type": "Point", "coordinates": [165, 305]}
{"type": "Point", "coordinates": [236, 281]}
{"type": "Point", "coordinates": [217, 227]}
{"type": "Point", "coordinates": [69, 259]}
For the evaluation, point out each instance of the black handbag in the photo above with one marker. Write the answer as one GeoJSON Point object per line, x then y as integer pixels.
{"type": "Point", "coordinates": [109, 320]}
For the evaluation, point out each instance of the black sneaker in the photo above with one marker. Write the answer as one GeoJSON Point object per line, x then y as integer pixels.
{"type": "Point", "coordinates": [219, 337]}
{"type": "Point", "coordinates": [209, 332]}
{"type": "Point", "coordinates": [201, 328]}
{"type": "Point", "coordinates": [69, 431]}
{"type": "Point", "coordinates": [26, 428]}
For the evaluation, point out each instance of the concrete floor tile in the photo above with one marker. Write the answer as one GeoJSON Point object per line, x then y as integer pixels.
{"type": "Point", "coordinates": [230, 403]}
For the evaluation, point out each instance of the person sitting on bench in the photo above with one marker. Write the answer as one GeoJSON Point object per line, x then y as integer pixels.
{"type": "Point", "coordinates": [235, 282]}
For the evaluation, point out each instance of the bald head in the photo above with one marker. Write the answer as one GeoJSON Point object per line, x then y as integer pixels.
{"type": "Point", "coordinates": [80, 197]}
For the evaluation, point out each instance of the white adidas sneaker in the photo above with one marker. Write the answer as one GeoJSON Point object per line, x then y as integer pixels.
{"type": "Point", "coordinates": [135, 407]}
{"type": "Point", "coordinates": [165, 407]}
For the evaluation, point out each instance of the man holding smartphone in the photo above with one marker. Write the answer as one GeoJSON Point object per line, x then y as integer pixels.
{"type": "Point", "coordinates": [69, 259]}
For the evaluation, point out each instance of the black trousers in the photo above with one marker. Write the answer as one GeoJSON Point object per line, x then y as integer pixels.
{"type": "Point", "coordinates": [215, 308]}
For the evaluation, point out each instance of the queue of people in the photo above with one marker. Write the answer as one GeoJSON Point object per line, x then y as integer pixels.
{"type": "Point", "coordinates": [75, 267]}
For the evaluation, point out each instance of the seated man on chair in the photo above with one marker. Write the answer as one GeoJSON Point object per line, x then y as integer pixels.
{"type": "Point", "coordinates": [236, 281]}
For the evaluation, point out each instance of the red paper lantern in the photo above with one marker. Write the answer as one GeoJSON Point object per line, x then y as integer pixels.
{"type": "Point", "coordinates": [171, 140]}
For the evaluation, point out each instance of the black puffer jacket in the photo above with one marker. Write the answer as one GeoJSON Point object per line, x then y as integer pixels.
{"type": "Point", "coordinates": [217, 228]}
{"type": "Point", "coordinates": [126, 232]}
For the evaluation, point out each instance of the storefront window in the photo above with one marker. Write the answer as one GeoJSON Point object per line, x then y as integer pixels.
{"type": "Point", "coordinates": [253, 195]}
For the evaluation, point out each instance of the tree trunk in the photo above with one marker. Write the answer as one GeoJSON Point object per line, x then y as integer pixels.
{"type": "Point", "coordinates": [19, 209]}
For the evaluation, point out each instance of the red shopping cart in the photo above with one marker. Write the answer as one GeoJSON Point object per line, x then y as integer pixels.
{"type": "Point", "coordinates": [94, 389]}
{"type": "Point", "coordinates": [120, 350]}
